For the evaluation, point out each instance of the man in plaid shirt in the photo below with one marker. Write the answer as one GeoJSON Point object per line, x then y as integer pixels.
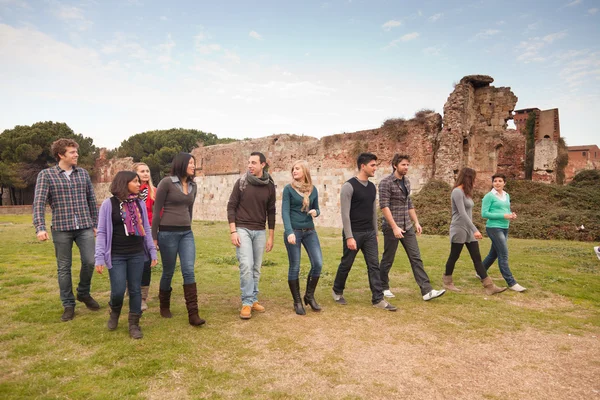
{"type": "Point", "coordinates": [400, 224]}
{"type": "Point", "coordinates": [69, 191]}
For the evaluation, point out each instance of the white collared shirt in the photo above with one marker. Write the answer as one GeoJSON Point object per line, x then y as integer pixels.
{"type": "Point", "coordinates": [498, 195]}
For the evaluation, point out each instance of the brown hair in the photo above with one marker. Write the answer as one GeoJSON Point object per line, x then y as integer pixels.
{"type": "Point", "coordinates": [152, 190]}
{"type": "Point", "coordinates": [59, 147]}
{"type": "Point", "coordinates": [499, 176]}
{"type": "Point", "coordinates": [466, 178]}
{"type": "Point", "coordinates": [397, 158]}
{"type": "Point", "coordinates": [119, 186]}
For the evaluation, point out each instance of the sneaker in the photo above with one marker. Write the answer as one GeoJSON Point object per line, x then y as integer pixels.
{"type": "Point", "coordinates": [68, 314]}
{"type": "Point", "coordinates": [339, 298]}
{"type": "Point", "coordinates": [477, 276]}
{"type": "Point", "coordinates": [517, 288]}
{"type": "Point", "coordinates": [89, 302]}
{"type": "Point", "coordinates": [388, 293]}
{"type": "Point", "coordinates": [257, 307]}
{"type": "Point", "coordinates": [384, 305]}
{"type": "Point", "coordinates": [433, 294]}
{"type": "Point", "coordinates": [246, 312]}
{"type": "Point", "coordinates": [597, 250]}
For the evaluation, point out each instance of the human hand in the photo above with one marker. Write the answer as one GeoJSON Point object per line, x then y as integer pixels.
{"type": "Point", "coordinates": [291, 238]}
{"type": "Point", "coordinates": [478, 235]}
{"type": "Point", "coordinates": [235, 239]}
{"type": "Point", "coordinates": [351, 243]}
{"type": "Point", "coordinates": [269, 246]}
{"type": "Point", "coordinates": [153, 263]}
{"type": "Point", "coordinates": [398, 232]}
{"type": "Point", "coordinates": [313, 213]}
{"type": "Point", "coordinates": [99, 268]}
{"type": "Point", "coordinates": [42, 235]}
{"type": "Point", "coordinates": [418, 228]}
{"type": "Point", "coordinates": [156, 244]}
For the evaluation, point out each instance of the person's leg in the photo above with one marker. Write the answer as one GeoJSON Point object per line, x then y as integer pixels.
{"type": "Point", "coordinates": [63, 249]}
{"type": "Point", "coordinates": [473, 248]}
{"type": "Point", "coordinates": [368, 245]}
{"type": "Point", "coordinates": [411, 246]}
{"type": "Point", "coordinates": [245, 257]}
{"type": "Point", "coordinates": [146, 277]}
{"type": "Point", "coordinates": [492, 254]}
{"type": "Point", "coordinates": [259, 242]}
{"type": "Point", "coordinates": [455, 250]}
{"type": "Point", "coordinates": [135, 269]}
{"type": "Point", "coordinates": [311, 243]}
{"type": "Point", "coordinates": [118, 281]}
{"type": "Point", "coordinates": [348, 256]}
{"type": "Point", "coordinates": [168, 242]}
{"type": "Point", "coordinates": [187, 256]}
{"type": "Point", "coordinates": [84, 238]}
{"type": "Point", "coordinates": [294, 253]}
{"type": "Point", "coordinates": [390, 245]}
{"type": "Point", "coordinates": [499, 238]}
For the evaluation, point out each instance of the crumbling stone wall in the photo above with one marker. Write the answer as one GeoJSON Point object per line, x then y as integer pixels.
{"type": "Point", "coordinates": [105, 170]}
{"type": "Point", "coordinates": [547, 134]}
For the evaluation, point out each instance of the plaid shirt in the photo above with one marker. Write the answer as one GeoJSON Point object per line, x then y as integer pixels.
{"type": "Point", "coordinates": [393, 197]}
{"type": "Point", "coordinates": [72, 201]}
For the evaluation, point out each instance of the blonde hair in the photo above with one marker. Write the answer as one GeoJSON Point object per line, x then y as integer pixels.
{"type": "Point", "coordinates": [306, 186]}
{"type": "Point", "coordinates": [152, 190]}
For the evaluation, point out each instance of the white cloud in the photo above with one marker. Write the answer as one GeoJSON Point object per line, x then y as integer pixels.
{"type": "Point", "coordinates": [391, 24]}
{"type": "Point", "coordinates": [500, 22]}
{"type": "Point", "coordinates": [573, 3]}
{"type": "Point", "coordinates": [554, 36]}
{"type": "Point", "coordinates": [71, 15]}
{"type": "Point", "coordinates": [487, 33]}
{"type": "Point", "coordinates": [592, 11]}
{"type": "Point", "coordinates": [122, 44]}
{"type": "Point", "coordinates": [16, 3]}
{"type": "Point", "coordinates": [529, 50]}
{"type": "Point", "coordinates": [405, 38]}
{"type": "Point", "coordinates": [581, 70]}
{"type": "Point", "coordinates": [435, 17]}
{"type": "Point", "coordinates": [432, 51]}
{"type": "Point", "coordinates": [255, 35]}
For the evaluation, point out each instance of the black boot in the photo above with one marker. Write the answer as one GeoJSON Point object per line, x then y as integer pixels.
{"type": "Point", "coordinates": [164, 297]}
{"type": "Point", "coordinates": [191, 302]}
{"type": "Point", "coordinates": [295, 289]}
{"type": "Point", "coordinates": [309, 297]}
{"type": "Point", "coordinates": [113, 320]}
{"type": "Point", "coordinates": [134, 326]}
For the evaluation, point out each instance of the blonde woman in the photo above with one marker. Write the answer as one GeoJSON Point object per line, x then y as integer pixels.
{"type": "Point", "coordinates": [148, 194]}
{"type": "Point", "coordinates": [300, 205]}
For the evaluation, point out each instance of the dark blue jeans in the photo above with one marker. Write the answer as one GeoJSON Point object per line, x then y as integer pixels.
{"type": "Point", "coordinates": [171, 244]}
{"type": "Point", "coordinates": [63, 248]}
{"type": "Point", "coordinates": [310, 240]}
{"type": "Point", "coordinates": [127, 272]}
{"type": "Point", "coordinates": [499, 250]}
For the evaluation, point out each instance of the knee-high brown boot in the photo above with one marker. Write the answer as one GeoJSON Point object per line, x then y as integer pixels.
{"type": "Point", "coordinates": [191, 302]}
{"type": "Point", "coordinates": [164, 296]}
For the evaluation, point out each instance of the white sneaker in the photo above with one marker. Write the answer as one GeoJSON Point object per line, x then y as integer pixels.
{"type": "Point", "coordinates": [388, 293]}
{"type": "Point", "coordinates": [517, 288]}
{"type": "Point", "coordinates": [597, 250]}
{"type": "Point", "coordinates": [433, 294]}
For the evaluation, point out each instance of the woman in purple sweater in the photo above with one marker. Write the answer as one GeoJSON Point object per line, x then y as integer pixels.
{"type": "Point", "coordinates": [123, 243]}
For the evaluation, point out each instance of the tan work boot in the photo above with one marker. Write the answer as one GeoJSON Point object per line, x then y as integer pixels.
{"type": "Point", "coordinates": [449, 284]}
{"type": "Point", "coordinates": [257, 307]}
{"type": "Point", "coordinates": [246, 312]}
{"type": "Point", "coordinates": [490, 287]}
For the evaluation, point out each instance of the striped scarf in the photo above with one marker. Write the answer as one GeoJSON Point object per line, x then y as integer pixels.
{"type": "Point", "coordinates": [131, 217]}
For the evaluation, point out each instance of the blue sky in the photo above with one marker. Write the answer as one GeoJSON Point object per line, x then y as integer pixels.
{"type": "Point", "coordinates": [110, 69]}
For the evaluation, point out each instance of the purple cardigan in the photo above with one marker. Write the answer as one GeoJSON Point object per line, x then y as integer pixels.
{"type": "Point", "coordinates": [105, 234]}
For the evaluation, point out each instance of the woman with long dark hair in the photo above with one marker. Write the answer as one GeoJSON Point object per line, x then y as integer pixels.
{"type": "Point", "coordinates": [464, 233]}
{"type": "Point", "coordinates": [123, 243]}
{"type": "Point", "coordinates": [172, 233]}
{"type": "Point", "coordinates": [148, 194]}
{"type": "Point", "coordinates": [299, 206]}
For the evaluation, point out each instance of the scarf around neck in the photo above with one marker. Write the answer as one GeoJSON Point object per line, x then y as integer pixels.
{"type": "Point", "coordinates": [249, 178]}
{"type": "Point", "coordinates": [131, 216]}
{"type": "Point", "coordinates": [305, 189]}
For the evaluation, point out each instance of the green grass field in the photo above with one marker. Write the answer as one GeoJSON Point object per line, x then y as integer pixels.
{"type": "Point", "coordinates": [541, 344]}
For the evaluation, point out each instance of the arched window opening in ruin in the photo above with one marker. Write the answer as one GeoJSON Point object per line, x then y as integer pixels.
{"type": "Point", "coordinates": [583, 153]}
{"type": "Point", "coordinates": [546, 136]}
{"type": "Point", "coordinates": [510, 124]}
{"type": "Point", "coordinates": [549, 171]}
{"type": "Point", "coordinates": [498, 153]}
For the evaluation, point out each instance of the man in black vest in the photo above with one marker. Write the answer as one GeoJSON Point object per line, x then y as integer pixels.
{"type": "Point", "coordinates": [359, 217]}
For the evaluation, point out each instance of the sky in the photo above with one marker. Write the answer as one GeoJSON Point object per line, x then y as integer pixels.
{"type": "Point", "coordinates": [246, 69]}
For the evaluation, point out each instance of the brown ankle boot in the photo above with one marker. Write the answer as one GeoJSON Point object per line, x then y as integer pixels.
{"type": "Point", "coordinates": [164, 297]}
{"type": "Point", "coordinates": [135, 332]}
{"type": "Point", "coordinates": [191, 302]}
{"type": "Point", "coordinates": [449, 284]}
{"type": "Point", "coordinates": [490, 288]}
{"type": "Point", "coordinates": [145, 297]}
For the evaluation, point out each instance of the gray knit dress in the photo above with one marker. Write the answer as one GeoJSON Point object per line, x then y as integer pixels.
{"type": "Point", "coordinates": [462, 227]}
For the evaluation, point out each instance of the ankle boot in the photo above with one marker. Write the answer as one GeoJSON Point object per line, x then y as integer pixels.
{"type": "Point", "coordinates": [113, 320]}
{"type": "Point", "coordinates": [449, 284]}
{"type": "Point", "coordinates": [191, 302]}
{"type": "Point", "coordinates": [309, 296]}
{"type": "Point", "coordinates": [490, 287]}
{"type": "Point", "coordinates": [164, 296]}
{"type": "Point", "coordinates": [295, 289]}
{"type": "Point", "coordinates": [134, 326]}
{"type": "Point", "coordinates": [145, 297]}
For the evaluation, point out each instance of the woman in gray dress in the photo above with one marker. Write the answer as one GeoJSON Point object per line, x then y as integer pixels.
{"type": "Point", "coordinates": [464, 233]}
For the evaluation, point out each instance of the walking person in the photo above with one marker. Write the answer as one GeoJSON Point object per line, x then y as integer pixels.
{"type": "Point", "coordinates": [124, 243]}
{"type": "Point", "coordinates": [172, 234]}
{"type": "Point", "coordinates": [359, 219]}
{"type": "Point", "coordinates": [464, 233]}
{"type": "Point", "coordinates": [400, 224]}
{"type": "Point", "coordinates": [299, 206]}
{"type": "Point", "coordinates": [69, 191]}
{"type": "Point", "coordinates": [147, 194]}
{"type": "Point", "coordinates": [251, 205]}
{"type": "Point", "coordinates": [495, 208]}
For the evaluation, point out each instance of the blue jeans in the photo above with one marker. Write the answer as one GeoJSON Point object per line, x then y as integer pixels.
{"type": "Point", "coordinates": [127, 271]}
{"type": "Point", "coordinates": [499, 250]}
{"type": "Point", "coordinates": [63, 248]}
{"type": "Point", "coordinates": [249, 255]}
{"type": "Point", "coordinates": [310, 240]}
{"type": "Point", "coordinates": [171, 244]}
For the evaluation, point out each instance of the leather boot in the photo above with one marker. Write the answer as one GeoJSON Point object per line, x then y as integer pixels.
{"type": "Point", "coordinates": [134, 326]}
{"type": "Point", "coordinates": [145, 297]}
{"type": "Point", "coordinates": [191, 302]}
{"type": "Point", "coordinates": [449, 284]}
{"type": "Point", "coordinates": [295, 289]}
{"type": "Point", "coordinates": [309, 296]}
{"type": "Point", "coordinates": [113, 320]}
{"type": "Point", "coordinates": [164, 297]}
{"type": "Point", "coordinates": [490, 287]}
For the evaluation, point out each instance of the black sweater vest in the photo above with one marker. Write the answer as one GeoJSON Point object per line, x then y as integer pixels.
{"type": "Point", "coordinates": [361, 207]}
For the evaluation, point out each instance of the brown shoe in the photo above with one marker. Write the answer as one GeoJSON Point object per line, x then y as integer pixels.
{"type": "Point", "coordinates": [190, 293]}
{"type": "Point", "coordinates": [246, 312]}
{"type": "Point", "coordinates": [164, 298]}
{"type": "Point", "coordinates": [257, 307]}
{"type": "Point", "coordinates": [449, 284]}
{"type": "Point", "coordinates": [490, 287]}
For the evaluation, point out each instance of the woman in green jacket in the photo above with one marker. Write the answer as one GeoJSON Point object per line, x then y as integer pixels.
{"type": "Point", "coordinates": [496, 209]}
